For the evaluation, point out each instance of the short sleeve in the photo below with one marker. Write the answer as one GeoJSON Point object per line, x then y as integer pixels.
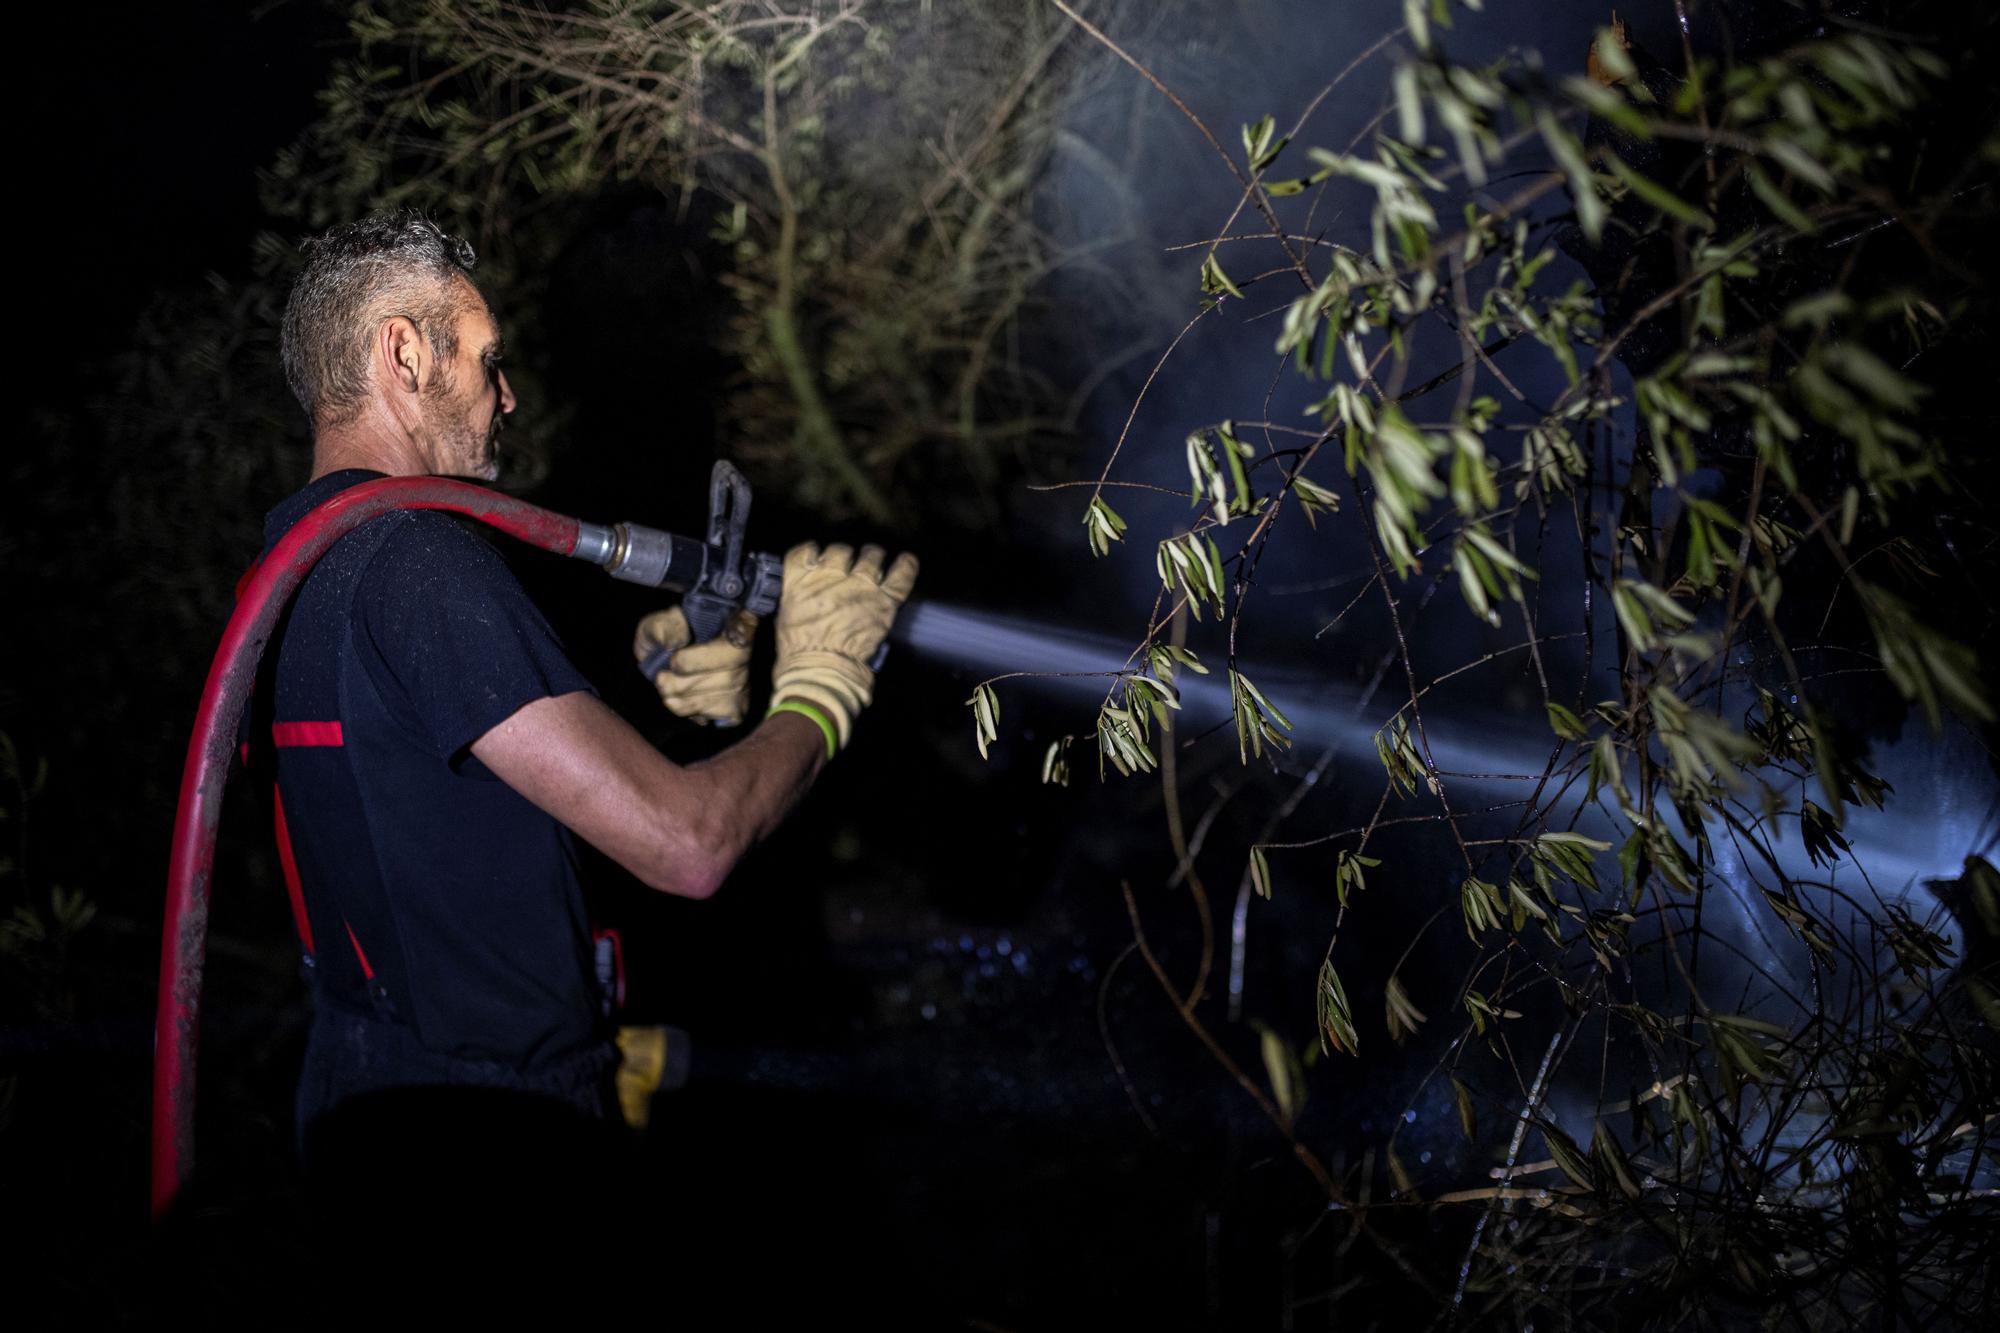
{"type": "Point", "coordinates": [449, 637]}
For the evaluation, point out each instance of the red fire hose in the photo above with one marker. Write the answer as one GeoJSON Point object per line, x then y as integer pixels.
{"type": "Point", "coordinates": [212, 747]}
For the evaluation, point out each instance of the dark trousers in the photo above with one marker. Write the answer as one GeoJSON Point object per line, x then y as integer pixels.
{"type": "Point", "coordinates": [452, 1186]}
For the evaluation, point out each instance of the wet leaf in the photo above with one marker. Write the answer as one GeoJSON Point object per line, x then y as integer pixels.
{"type": "Point", "coordinates": [1314, 499]}
{"type": "Point", "coordinates": [1282, 1068]}
{"type": "Point", "coordinates": [1258, 720]}
{"type": "Point", "coordinates": [1102, 525]}
{"type": "Point", "coordinates": [1349, 873]}
{"type": "Point", "coordinates": [1055, 763]}
{"type": "Point", "coordinates": [985, 717]}
{"type": "Point", "coordinates": [1611, 1161]}
{"type": "Point", "coordinates": [1260, 872]}
{"type": "Point", "coordinates": [1336, 1019]}
{"type": "Point", "coordinates": [1404, 1018]}
{"type": "Point", "coordinates": [1468, 1117]}
{"type": "Point", "coordinates": [1214, 281]}
{"type": "Point", "coordinates": [1565, 723]}
{"type": "Point", "coordinates": [1399, 1176]}
{"type": "Point", "coordinates": [1567, 1155]}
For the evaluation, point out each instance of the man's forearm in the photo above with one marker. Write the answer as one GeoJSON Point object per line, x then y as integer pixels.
{"type": "Point", "coordinates": [762, 776]}
{"type": "Point", "coordinates": [679, 829]}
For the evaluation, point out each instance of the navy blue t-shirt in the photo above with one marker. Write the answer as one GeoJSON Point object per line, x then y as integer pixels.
{"type": "Point", "coordinates": [434, 892]}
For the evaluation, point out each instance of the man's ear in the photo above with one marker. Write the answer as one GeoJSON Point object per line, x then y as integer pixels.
{"type": "Point", "coordinates": [404, 353]}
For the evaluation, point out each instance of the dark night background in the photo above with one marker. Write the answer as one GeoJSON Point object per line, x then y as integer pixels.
{"type": "Point", "coordinates": [901, 1093]}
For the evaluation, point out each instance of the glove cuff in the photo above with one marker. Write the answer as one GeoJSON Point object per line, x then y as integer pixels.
{"type": "Point", "coordinates": [831, 681]}
{"type": "Point", "coordinates": [840, 705]}
{"type": "Point", "coordinates": [818, 718]}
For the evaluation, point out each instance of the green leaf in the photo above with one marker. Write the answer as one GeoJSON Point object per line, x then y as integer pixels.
{"type": "Point", "coordinates": [1102, 524]}
{"type": "Point", "coordinates": [1314, 499]}
{"type": "Point", "coordinates": [1234, 451]}
{"type": "Point", "coordinates": [1400, 760]}
{"type": "Point", "coordinates": [1568, 155]}
{"type": "Point", "coordinates": [1566, 724]}
{"type": "Point", "coordinates": [1821, 835]}
{"type": "Point", "coordinates": [1643, 611]}
{"type": "Point", "coordinates": [1570, 855]}
{"type": "Point", "coordinates": [1409, 104]}
{"type": "Point", "coordinates": [1214, 281]}
{"type": "Point", "coordinates": [1260, 872]}
{"type": "Point", "coordinates": [1288, 1078]}
{"type": "Point", "coordinates": [1468, 1117]}
{"type": "Point", "coordinates": [1349, 874]}
{"type": "Point", "coordinates": [1121, 742]}
{"type": "Point", "coordinates": [1055, 763]}
{"type": "Point", "coordinates": [1483, 1011]}
{"type": "Point", "coordinates": [1934, 671]}
{"type": "Point", "coordinates": [1257, 719]}
{"type": "Point", "coordinates": [1403, 1017]}
{"type": "Point", "coordinates": [1661, 198]}
{"type": "Point", "coordinates": [1778, 201]}
{"type": "Point", "coordinates": [1193, 562]}
{"type": "Point", "coordinates": [1567, 1155]}
{"type": "Point", "coordinates": [1479, 902]}
{"type": "Point", "coordinates": [985, 717]}
{"type": "Point", "coordinates": [1918, 948]}
{"type": "Point", "coordinates": [1182, 657]}
{"type": "Point", "coordinates": [1611, 1161]}
{"type": "Point", "coordinates": [1870, 373]}
{"type": "Point", "coordinates": [1739, 1049]}
{"type": "Point", "coordinates": [1417, 18]}
{"type": "Point", "coordinates": [1400, 1184]}
{"type": "Point", "coordinates": [1795, 159]}
{"type": "Point", "coordinates": [1336, 1019]}
{"type": "Point", "coordinates": [1261, 143]}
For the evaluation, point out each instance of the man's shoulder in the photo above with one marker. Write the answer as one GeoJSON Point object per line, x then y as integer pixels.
{"type": "Point", "coordinates": [398, 537]}
{"type": "Point", "coordinates": [431, 568]}
{"type": "Point", "coordinates": [443, 625]}
{"type": "Point", "coordinates": [429, 546]}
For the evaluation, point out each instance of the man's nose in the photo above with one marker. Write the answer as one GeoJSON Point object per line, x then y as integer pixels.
{"type": "Point", "coordinates": [506, 394]}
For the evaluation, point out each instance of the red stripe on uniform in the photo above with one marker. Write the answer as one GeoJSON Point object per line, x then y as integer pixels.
{"type": "Point", "coordinates": [290, 865]}
{"type": "Point", "coordinates": [306, 733]}
{"type": "Point", "coordinates": [366, 971]}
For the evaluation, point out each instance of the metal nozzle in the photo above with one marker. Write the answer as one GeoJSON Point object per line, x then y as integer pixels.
{"type": "Point", "coordinates": [643, 555]}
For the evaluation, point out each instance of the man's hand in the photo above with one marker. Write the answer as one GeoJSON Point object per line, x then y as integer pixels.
{"type": "Point", "coordinates": [704, 682]}
{"type": "Point", "coordinates": [835, 611]}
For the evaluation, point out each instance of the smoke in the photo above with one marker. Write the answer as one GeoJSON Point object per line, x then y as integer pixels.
{"type": "Point", "coordinates": [1131, 179]}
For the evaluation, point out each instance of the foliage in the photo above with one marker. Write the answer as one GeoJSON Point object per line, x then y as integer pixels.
{"type": "Point", "coordinates": [1740, 430]}
{"type": "Point", "coordinates": [867, 163]}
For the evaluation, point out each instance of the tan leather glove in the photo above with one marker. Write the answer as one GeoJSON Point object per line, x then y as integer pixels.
{"type": "Point", "coordinates": [835, 611]}
{"type": "Point", "coordinates": [704, 682]}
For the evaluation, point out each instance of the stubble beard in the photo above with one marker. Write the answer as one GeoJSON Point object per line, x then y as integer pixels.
{"type": "Point", "coordinates": [464, 449]}
{"type": "Point", "coordinates": [488, 457]}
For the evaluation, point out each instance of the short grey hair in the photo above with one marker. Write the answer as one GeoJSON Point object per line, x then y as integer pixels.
{"type": "Point", "coordinates": [356, 276]}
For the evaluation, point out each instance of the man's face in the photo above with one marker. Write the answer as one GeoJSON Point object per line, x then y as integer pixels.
{"type": "Point", "coordinates": [466, 402]}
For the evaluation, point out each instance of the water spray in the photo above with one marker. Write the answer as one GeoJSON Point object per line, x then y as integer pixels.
{"type": "Point", "coordinates": [1498, 758]}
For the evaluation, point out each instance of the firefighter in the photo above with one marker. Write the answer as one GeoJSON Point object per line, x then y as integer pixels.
{"type": "Point", "coordinates": [436, 750]}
